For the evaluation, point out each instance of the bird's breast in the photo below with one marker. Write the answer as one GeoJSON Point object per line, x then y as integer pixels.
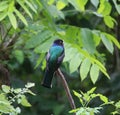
{"type": "Point", "coordinates": [55, 52]}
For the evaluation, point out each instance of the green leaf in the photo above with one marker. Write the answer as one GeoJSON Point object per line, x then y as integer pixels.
{"type": "Point", "coordinates": [81, 111]}
{"type": "Point", "coordinates": [18, 110]}
{"type": "Point", "coordinates": [43, 64]}
{"type": "Point", "coordinates": [31, 6]}
{"type": "Point", "coordinates": [3, 5]}
{"type": "Point", "coordinates": [109, 21]}
{"type": "Point", "coordinates": [11, 6]}
{"type": "Point", "coordinates": [105, 73]}
{"type": "Point", "coordinates": [77, 94]}
{"type": "Point", "coordinates": [3, 99]}
{"type": "Point", "coordinates": [60, 5]}
{"type": "Point", "coordinates": [19, 55]}
{"type": "Point", "coordinates": [72, 34]}
{"type": "Point", "coordinates": [74, 110]}
{"type": "Point", "coordinates": [39, 60]}
{"type": "Point", "coordinates": [3, 15]}
{"type": "Point", "coordinates": [30, 92]}
{"type": "Point", "coordinates": [44, 47]}
{"type": "Point", "coordinates": [12, 19]}
{"type": "Point", "coordinates": [55, 12]}
{"type": "Point", "coordinates": [21, 3]}
{"type": "Point", "coordinates": [38, 39]}
{"type": "Point", "coordinates": [87, 39]}
{"type": "Point", "coordinates": [96, 37]}
{"type": "Point", "coordinates": [104, 8]}
{"type": "Point", "coordinates": [5, 106]}
{"type": "Point", "coordinates": [103, 98]}
{"type": "Point", "coordinates": [81, 4]}
{"type": "Point", "coordinates": [108, 44]}
{"type": "Point", "coordinates": [18, 90]}
{"type": "Point", "coordinates": [95, 3]}
{"type": "Point", "coordinates": [69, 52]}
{"type": "Point", "coordinates": [84, 69]}
{"type": "Point", "coordinates": [29, 85]}
{"type": "Point", "coordinates": [91, 91]}
{"type": "Point", "coordinates": [117, 104]}
{"type": "Point", "coordinates": [21, 17]}
{"type": "Point", "coordinates": [6, 88]}
{"type": "Point", "coordinates": [94, 73]}
{"type": "Point", "coordinates": [39, 3]}
{"type": "Point", "coordinates": [107, 9]}
{"type": "Point", "coordinates": [100, 65]}
{"type": "Point", "coordinates": [78, 4]}
{"type": "Point", "coordinates": [117, 6]}
{"type": "Point", "coordinates": [113, 39]}
{"type": "Point", "coordinates": [101, 6]}
{"type": "Point", "coordinates": [6, 109]}
{"type": "Point", "coordinates": [74, 64]}
{"type": "Point", "coordinates": [24, 101]}
{"type": "Point", "coordinates": [50, 2]}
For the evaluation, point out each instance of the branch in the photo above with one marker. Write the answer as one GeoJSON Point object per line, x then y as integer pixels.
{"type": "Point", "coordinates": [67, 90]}
{"type": "Point", "coordinates": [4, 75]}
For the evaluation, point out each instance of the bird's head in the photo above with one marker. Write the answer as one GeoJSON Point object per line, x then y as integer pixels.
{"type": "Point", "coordinates": [58, 42]}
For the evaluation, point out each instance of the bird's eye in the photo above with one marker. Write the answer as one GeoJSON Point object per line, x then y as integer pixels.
{"type": "Point", "coordinates": [61, 42]}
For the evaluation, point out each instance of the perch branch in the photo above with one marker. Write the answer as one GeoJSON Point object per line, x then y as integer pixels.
{"type": "Point", "coordinates": [67, 90]}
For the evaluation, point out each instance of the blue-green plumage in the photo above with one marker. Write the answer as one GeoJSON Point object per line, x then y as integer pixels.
{"type": "Point", "coordinates": [54, 59]}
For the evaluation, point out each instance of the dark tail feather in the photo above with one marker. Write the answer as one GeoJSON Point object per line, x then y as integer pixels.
{"type": "Point", "coordinates": [47, 81]}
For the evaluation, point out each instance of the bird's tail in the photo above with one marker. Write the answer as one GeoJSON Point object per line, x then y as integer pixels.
{"type": "Point", "coordinates": [47, 81]}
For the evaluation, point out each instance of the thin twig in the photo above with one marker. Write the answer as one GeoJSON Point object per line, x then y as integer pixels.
{"type": "Point", "coordinates": [67, 90]}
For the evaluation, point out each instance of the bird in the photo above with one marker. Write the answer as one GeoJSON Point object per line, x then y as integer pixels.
{"type": "Point", "coordinates": [54, 59]}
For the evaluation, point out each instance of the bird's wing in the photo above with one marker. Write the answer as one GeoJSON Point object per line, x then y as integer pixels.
{"type": "Point", "coordinates": [47, 59]}
{"type": "Point", "coordinates": [48, 56]}
{"type": "Point", "coordinates": [60, 58]}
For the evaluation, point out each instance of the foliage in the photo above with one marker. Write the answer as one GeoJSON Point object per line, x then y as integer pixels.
{"type": "Point", "coordinates": [8, 9]}
{"type": "Point", "coordinates": [10, 96]}
{"type": "Point", "coordinates": [117, 108]}
{"type": "Point", "coordinates": [89, 28]}
{"type": "Point", "coordinates": [86, 98]}
{"type": "Point", "coordinates": [47, 31]}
